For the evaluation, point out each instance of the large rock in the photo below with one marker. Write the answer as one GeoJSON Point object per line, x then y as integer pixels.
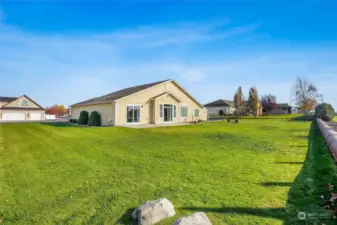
{"type": "Point", "coordinates": [199, 218]}
{"type": "Point", "coordinates": [152, 212]}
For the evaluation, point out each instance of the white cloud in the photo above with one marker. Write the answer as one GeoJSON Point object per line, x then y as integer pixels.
{"type": "Point", "coordinates": [66, 69]}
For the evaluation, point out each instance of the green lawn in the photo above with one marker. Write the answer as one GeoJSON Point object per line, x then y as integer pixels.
{"type": "Point", "coordinates": [236, 173]}
{"type": "Point", "coordinates": [282, 116]}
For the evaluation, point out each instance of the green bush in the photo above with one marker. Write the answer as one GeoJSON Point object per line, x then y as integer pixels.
{"type": "Point", "coordinates": [94, 119]}
{"type": "Point", "coordinates": [84, 116]}
{"type": "Point", "coordinates": [325, 111]}
{"type": "Point", "coordinates": [221, 113]}
{"type": "Point", "coordinates": [72, 120]}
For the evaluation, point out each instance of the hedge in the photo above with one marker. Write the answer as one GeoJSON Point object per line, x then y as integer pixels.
{"type": "Point", "coordinates": [94, 119]}
{"type": "Point", "coordinates": [84, 116]}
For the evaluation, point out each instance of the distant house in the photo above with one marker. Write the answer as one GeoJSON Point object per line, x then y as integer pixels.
{"type": "Point", "coordinates": [154, 103]}
{"type": "Point", "coordinates": [20, 108]}
{"type": "Point", "coordinates": [281, 108]}
{"type": "Point", "coordinates": [220, 107]}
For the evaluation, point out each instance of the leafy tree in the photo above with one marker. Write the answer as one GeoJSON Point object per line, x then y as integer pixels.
{"type": "Point", "coordinates": [253, 100]}
{"type": "Point", "coordinates": [57, 110]}
{"type": "Point", "coordinates": [83, 119]}
{"type": "Point", "coordinates": [239, 101]}
{"type": "Point", "coordinates": [325, 111]}
{"type": "Point", "coordinates": [306, 94]}
{"type": "Point", "coordinates": [268, 102]}
{"type": "Point", "coordinates": [94, 119]}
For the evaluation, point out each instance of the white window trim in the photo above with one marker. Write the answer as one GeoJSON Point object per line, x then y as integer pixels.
{"type": "Point", "coordinates": [181, 110]}
{"type": "Point", "coordinates": [140, 106]}
{"type": "Point", "coordinates": [174, 112]}
{"type": "Point", "coordinates": [161, 111]}
{"type": "Point", "coordinates": [26, 101]}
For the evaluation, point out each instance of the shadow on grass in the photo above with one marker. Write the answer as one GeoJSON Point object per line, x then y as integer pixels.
{"type": "Point", "coordinates": [59, 124]}
{"type": "Point", "coordinates": [298, 146]}
{"type": "Point", "coordinates": [275, 213]}
{"type": "Point", "coordinates": [278, 184]}
{"type": "Point", "coordinates": [303, 118]}
{"type": "Point", "coordinates": [126, 218]}
{"type": "Point", "coordinates": [301, 136]}
{"type": "Point", "coordinates": [318, 170]}
{"type": "Point", "coordinates": [289, 162]}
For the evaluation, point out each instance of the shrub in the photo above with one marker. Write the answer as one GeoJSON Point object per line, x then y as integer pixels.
{"type": "Point", "coordinates": [72, 120]}
{"type": "Point", "coordinates": [94, 119]}
{"type": "Point", "coordinates": [221, 113]}
{"type": "Point", "coordinates": [84, 116]}
{"type": "Point", "coordinates": [325, 111]}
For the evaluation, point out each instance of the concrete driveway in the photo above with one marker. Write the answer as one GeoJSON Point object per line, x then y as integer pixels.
{"type": "Point", "coordinates": [33, 121]}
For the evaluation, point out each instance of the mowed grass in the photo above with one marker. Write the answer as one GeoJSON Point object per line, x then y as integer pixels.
{"type": "Point", "coordinates": [236, 173]}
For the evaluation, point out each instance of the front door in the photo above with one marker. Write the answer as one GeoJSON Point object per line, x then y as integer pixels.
{"type": "Point", "coordinates": [168, 109]}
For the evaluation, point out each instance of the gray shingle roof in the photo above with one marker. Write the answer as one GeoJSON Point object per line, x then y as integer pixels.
{"type": "Point", "coordinates": [7, 99]}
{"type": "Point", "coordinates": [220, 102]}
{"type": "Point", "coordinates": [118, 94]}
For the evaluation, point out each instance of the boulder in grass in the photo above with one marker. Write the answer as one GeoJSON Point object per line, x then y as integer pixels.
{"type": "Point", "coordinates": [199, 218]}
{"type": "Point", "coordinates": [151, 212]}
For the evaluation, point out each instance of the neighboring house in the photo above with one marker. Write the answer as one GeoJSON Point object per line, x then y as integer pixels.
{"type": "Point", "coordinates": [214, 108]}
{"type": "Point", "coordinates": [280, 109]}
{"type": "Point", "coordinates": [22, 108]}
{"type": "Point", "coordinates": [155, 103]}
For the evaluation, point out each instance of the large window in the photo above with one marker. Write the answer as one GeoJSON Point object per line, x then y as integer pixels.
{"type": "Point", "coordinates": [196, 113]}
{"type": "Point", "coordinates": [24, 103]}
{"type": "Point", "coordinates": [183, 111]}
{"type": "Point", "coordinates": [133, 114]}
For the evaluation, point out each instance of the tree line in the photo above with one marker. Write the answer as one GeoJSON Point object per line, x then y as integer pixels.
{"type": "Point", "coordinates": [306, 97]}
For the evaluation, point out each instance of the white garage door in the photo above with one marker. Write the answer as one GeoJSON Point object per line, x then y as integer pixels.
{"type": "Point", "coordinates": [35, 116]}
{"type": "Point", "coordinates": [13, 116]}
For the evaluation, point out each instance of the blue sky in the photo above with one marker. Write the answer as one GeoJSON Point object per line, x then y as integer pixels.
{"type": "Point", "coordinates": [62, 52]}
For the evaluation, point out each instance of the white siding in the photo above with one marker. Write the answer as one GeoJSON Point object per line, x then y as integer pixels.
{"type": "Point", "coordinates": [214, 111]}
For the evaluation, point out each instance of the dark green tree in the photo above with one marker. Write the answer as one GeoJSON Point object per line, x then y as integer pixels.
{"type": "Point", "coordinates": [94, 119]}
{"type": "Point", "coordinates": [83, 119]}
{"type": "Point", "coordinates": [325, 111]}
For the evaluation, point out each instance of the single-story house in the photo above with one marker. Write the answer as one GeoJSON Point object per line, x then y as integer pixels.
{"type": "Point", "coordinates": [155, 103]}
{"type": "Point", "coordinates": [20, 108]}
{"type": "Point", "coordinates": [220, 107]}
{"type": "Point", "coordinates": [281, 108]}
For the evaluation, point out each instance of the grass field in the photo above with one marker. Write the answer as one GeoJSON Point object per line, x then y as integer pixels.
{"type": "Point", "coordinates": [283, 116]}
{"type": "Point", "coordinates": [236, 173]}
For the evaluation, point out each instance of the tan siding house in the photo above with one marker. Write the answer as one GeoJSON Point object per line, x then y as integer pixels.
{"type": "Point", "coordinates": [22, 108]}
{"type": "Point", "coordinates": [155, 103]}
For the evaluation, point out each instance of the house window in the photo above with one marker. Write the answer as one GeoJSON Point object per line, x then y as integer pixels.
{"type": "Point", "coordinates": [196, 113]}
{"type": "Point", "coordinates": [133, 113]}
{"type": "Point", "coordinates": [161, 111]}
{"type": "Point", "coordinates": [24, 103]}
{"type": "Point", "coordinates": [183, 111]}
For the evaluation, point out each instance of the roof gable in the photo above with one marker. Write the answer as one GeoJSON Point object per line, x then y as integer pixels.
{"type": "Point", "coordinates": [167, 93]}
{"type": "Point", "coordinates": [220, 102]}
{"type": "Point", "coordinates": [186, 92]}
{"type": "Point", "coordinates": [111, 97]}
{"type": "Point", "coordinates": [15, 104]}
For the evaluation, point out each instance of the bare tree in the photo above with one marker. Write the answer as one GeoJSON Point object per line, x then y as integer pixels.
{"type": "Point", "coordinates": [306, 94]}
